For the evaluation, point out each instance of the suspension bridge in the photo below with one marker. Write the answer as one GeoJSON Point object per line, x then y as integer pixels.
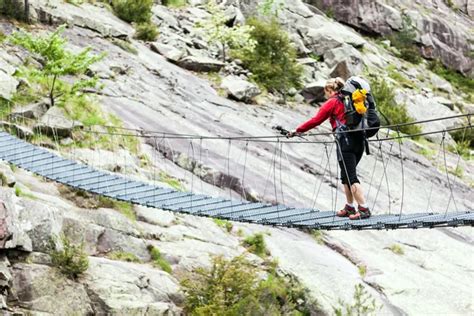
{"type": "Point", "coordinates": [80, 176]}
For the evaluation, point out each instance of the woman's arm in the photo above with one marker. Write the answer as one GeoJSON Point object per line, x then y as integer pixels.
{"type": "Point", "coordinates": [323, 114]}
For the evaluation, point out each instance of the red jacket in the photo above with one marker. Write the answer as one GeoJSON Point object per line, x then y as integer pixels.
{"type": "Point", "coordinates": [332, 108]}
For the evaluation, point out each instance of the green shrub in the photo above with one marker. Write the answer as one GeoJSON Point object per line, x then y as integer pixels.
{"type": "Point", "coordinates": [146, 31]}
{"type": "Point", "coordinates": [14, 9]}
{"type": "Point", "coordinates": [256, 244]}
{"type": "Point", "coordinates": [218, 32]}
{"type": "Point", "coordinates": [233, 288]}
{"type": "Point", "coordinates": [138, 11]}
{"type": "Point", "coordinates": [460, 82]}
{"type": "Point", "coordinates": [391, 111]}
{"type": "Point", "coordinates": [71, 260]}
{"type": "Point", "coordinates": [404, 41]}
{"type": "Point", "coordinates": [363, 304]}
{"type": "Point", "coordinates": [123, 256]}
{"type": "Point", "coordinates": [224, 224]}
{"type": "Point", "coordinates": [57, 63]}
{"type": "Point", "coordinates": [159, 261]}
{"type": "Point", "coordinates": [397, 249]}
{"type": "Point", "coordinates": [273, 61]}
{"type": "Point", "coordinates": [174, 3]}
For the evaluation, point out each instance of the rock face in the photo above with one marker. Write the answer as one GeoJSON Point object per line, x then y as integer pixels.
{"type": "Point", "coordinates": [55, 123]}
{"type": "Point", "coordinates": [150, 93]}
{"type": "Point", "coordinates": [436, 33]}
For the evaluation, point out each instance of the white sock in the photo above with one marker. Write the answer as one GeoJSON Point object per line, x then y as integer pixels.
{"type": "Point", "coordinates": [350, 204]}
{"type": "Point", "coordinates": [363, 205]}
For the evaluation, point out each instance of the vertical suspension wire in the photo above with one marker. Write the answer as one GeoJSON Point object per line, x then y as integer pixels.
{"type": "Point", "coordinates": [338, 145]}
{"type": "Point", "coordinates": [447, 177]}
{"type": "Point", "coordinates": [275, 190]}
{"type": "Point", "coordinates": [384, 176]}
{"type": "Point", "coordinates": [334, 209]}
{"type": "Point", "coordinates": [229, 146]}
{"type": "Point", "coordinates": [201, 164]}
{"type": "Point", "coordinates": [428, 206]}
{"type": "Point", "coordinates": [451, 196]}
{"type": "Point", "coordinates": [281, 179]}
{"type": "Point", "coordinates": [317, 188]}
{"type": "Point", "coordinates": [268, 174]}
{"type": "Point", "coordinates": [372, 177]}
{"type": "Point", "coordinates": [244, 190]}
{"type": "Point", "coordinates": [193, 166]}
{"type": "Point", "coordinates": [403, 171]}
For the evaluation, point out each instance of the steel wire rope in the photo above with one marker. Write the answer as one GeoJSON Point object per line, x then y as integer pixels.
{"type": "Point", "coordinates": [244, 190]}
{"type": "Point", "coordinates": [392, 126]}
{"type": "Point", "coordinates": [281, 180]}
{"type": "Point", "coordinates": [447, 176]}
{"type": "Point", "coordinates": [403, 174]}
{"type": "Point", "coordinates": [451, 196]}
{"type": "Point", "coordinates": [384, 176]}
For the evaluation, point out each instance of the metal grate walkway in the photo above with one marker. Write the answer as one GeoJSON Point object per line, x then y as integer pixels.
{"type": "Point", "coordinates": [80, 176]}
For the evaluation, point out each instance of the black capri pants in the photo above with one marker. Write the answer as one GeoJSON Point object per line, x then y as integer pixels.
{"type": "Point", "coordinates": [350, 148]}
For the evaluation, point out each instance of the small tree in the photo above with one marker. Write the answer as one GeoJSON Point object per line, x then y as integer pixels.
{"type": "Point", "coordinates": [271, 7]}
{"type": "Point", "coordinates": [217, 32]}
{"type": "Point", "coordinates": [58, 62]}
{"type": "Point", "coordinates": [71, 260]}
{"type": "Point", "coordinates": [404, 41]}
{"type": "Point", "coordinates": [273, 62]}
{"type": "Point", "coordinates": [138, 11]}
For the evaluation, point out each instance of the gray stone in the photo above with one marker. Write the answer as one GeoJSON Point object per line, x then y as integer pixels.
{"type": "Point", "coordinates": [32, 111]}
{"type": "Point", "coordinates": [155, 217]}
{"type": "Point", "coordinates": [7, 175]}
{"type": "Point", "coordinates": [347, 68]}
{"type": "Point", "coordinates": [314, 92]}
{"type": "Point", "coordinates": [169, 52]}
{"type": "Point", "coordinates": [239, 89]}
{"type": "Point", "coordinates": [124, 288]}
{"type": "Point", "coordinates": [8, 85]}
{"type": "Point", "coordinates": [34, 287]}
{"type": "Point", "coordinates": [165, 17]}
{"type": "Point", "coordinates": [86, 15]}
{"type": "Point", "coordinates": [200, 64]}
{"type": "Point", "coordinates": [5, 275]}
{"type": "Point", "coordinates": [345, 52]}
{"type": "Point", "coordinates": [22, 131]}
{"type": "Point", "coordinates": [440, 83]}
{"type": "Point", "coordinates": [55, 123]}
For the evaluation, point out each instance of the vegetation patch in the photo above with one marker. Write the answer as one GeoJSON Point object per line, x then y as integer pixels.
{"type": "Point", "coordinates": [86, 200]}
{"type": "Point", "coordinates": [460, 82]}
{"type": "Point", "coordinates": [256, 245]}
{"type": "Point", "coordinates": [138, 11]}
{"type": "Point", "coordinates": [20, 193]}
{"type": "Point", "coordinates": [224, 224]}
{"type": "Point", "coordinates": [174, 3]}
{"type": "Point", "coordinates": [123, 256]}
{"type": "Point", "coordinates": [396, 249]}
{"type": "Point", "coordinates": [158, 260]}
{"type": "Point", "coordinates": [146, 31]}
{"type": "Point", "coordinates": [232, 287]}
{"type": "Point", "coordinates": [404, 41]}
{"type": "Point", "coordinates": [363, 304]}
{"type": "Point", "coordinates": [392, 113]}
{"type": "Point", "coordinates": [69, 258]}
{"type": "Point", "coordinates": [171, 181]}
{"type": "Point", "coordinates": [275, 72]}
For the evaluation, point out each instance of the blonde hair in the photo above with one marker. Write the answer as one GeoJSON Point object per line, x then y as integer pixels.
{"type": "Point", "coordinates": [335, 84]}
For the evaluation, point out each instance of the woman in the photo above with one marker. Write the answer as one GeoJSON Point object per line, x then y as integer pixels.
{"type": "Point", "coordinates": [350, 148]}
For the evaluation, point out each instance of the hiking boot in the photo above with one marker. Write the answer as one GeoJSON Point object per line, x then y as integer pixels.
{"type": "Point", "coordinates": [362, 213]}
{"type": "Point", "coordinates": [346, 211]}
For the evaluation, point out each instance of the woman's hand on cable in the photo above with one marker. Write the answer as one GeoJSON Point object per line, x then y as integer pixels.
{"type": "Point", "coordinates": [293, 134]}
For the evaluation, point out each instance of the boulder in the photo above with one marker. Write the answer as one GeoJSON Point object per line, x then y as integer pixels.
{"type": "Point", "coordinates": [347, 68]}
{"type": "Point", "coordinates": [240, 89]}
{"type": "Point", "coordinates": [20, 131]}
{"type": "Point", "coordinates": [55, 123]}
{"type": "Point", "coordinates": [7, 175]}
{"type": "Point", "coordinates": [314, 92]}
{"type": "Point", "coordinates": [171, 53]}
{"type": "Point", "coordinates": [41, 288]}
{"type": "Point", "coordinates": [330, 36]}
{"type": "Point", "coordinates": [131, 289]}
{"type": "Point", "coordinates": [32, 111]}
{"type": "Point", "coordinates": [88, 16]}
{"type": "Point", "coordinates": [200, 64]}
{"type": "Point", "coordinates": [8, 85]}
{"type": "Point", "coordinates": [440, 83]}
